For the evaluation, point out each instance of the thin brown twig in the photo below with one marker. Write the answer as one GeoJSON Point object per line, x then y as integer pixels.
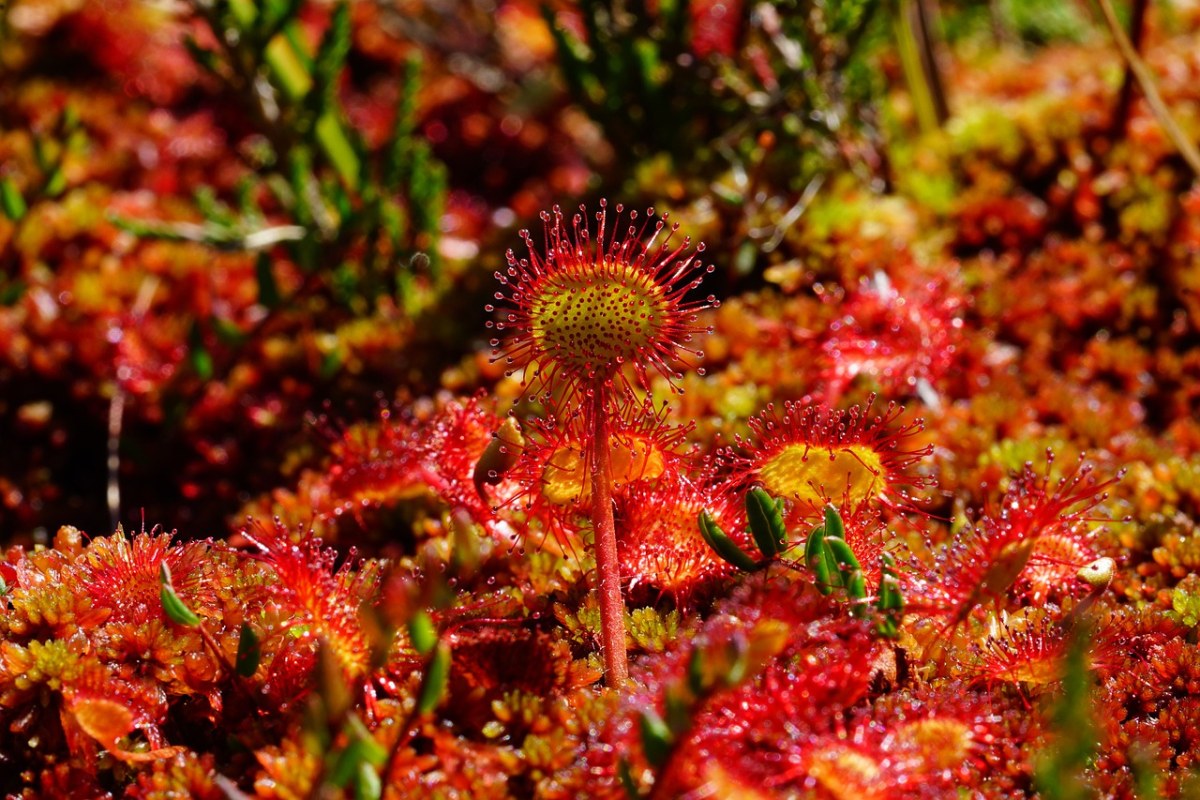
{"type": "Point", "coordinates": [1137, 33]}
{"type": "Point", "coordinates": [1149, 87]}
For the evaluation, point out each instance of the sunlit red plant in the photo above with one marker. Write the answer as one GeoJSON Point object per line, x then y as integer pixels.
{"type": "Point", "coordinates": [814, 455]}
{"type": "Point", "coordinates": [989, 558]}
{"type": "Point", "coordinates": [318, 599]}
{"type": "Point", "coordinates": [580, 310]}
{"type": "Point", "coordinates": [905, 337]}
{"type": "Point", "coordinates": [588, 320]}
{"type": "Point", "coordinates": [661, 547]}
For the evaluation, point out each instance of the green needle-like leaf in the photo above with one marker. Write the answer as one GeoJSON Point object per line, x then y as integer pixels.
{"type": "Point", "coordinates": [657, 738]}
{"type": "Point", "coordinates": [177, 610]}
{"type": "Point", "coordinates": [249, 652]}
{"type": "Point", "coordinates": [437, 675]}
{"type": "Point", "coordinates": [725, 547]}
{"type": "Point", "coordinates": [766, 522]}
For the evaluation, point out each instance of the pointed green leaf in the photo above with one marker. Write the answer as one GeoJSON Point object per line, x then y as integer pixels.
{"type": "Point", "coordinates": [249, 652]}
{"type": "Point", "coordinates": [723, 545]}
{"type": "Point", "coordinates": [244, 13]}
{"type": "Point", "coordinates": [766, 522]}
{"type": "Point", "coordinates": [625, 775]}
{"type": "Point", "coordinates": [11, 200]}
{"type": "Point", "coordinates": [288, 68]}
{"type": "Point", "coordinates": [198, 355]}
{"type": "Point", "coordinates": [360, 751]}
{"type": "Point", "coordinates": [842, 554]}
{"type": "Point", "coordinates": [176, 610]}
{"type": "Point", "coordinates": [657, 738]}
{"type": "Point", "coordinates": [437, 675]}
{"type": "Point", "coordinates": [367, 785]}
{"type": "Point", "coordinates": [890, 598]}
{"type": "Point", "coordinates": [890, 602]}
{"type": "Point", "coordinates": [813, 544]}
{"type": "Point", "coordinates": [820, 560]}
{"type": "Point", "coordinates": [833, 523]}
{"type": "Point", "coordinates": [696, 672]}
{"type": "Point", "coordinates": [679, 717]}
{"type": "Point", "coordinates": [856, 588]}
{"type": "Point", "coordinates": [422, 633]}
{"type": "Point", "coordinates": [56, 182]}
{"type": "Point", "coordinates": [335, 143]}
{"type": "Point", "coordinates": [331, 56]}
{"type": "Point", "coordinates": [268, 289]}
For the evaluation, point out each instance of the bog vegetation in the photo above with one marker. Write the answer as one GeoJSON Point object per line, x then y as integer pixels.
{"type": "Point", "coordinates": [599, 399]}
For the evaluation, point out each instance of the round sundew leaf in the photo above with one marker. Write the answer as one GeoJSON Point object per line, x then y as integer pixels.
{"type": "Point", "coordinates": [815, 475]}
{"type": "Point", "coordinates": [591, 306]}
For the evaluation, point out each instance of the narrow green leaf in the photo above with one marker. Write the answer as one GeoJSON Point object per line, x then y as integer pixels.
{"type": "Point", "coordinates": [244, 13]}
{"type": "Point", "coordinates": [268, 288]}
{"type": "Point", "coordinates": [288, 68]}
{"type": "Point", "coordinates": [249, 652]}
{"type": "Point", "coordinates": [361, 751]}
{"type": "Point", "coordinates": [56, 182]}
{"type": "Point", "coordinates": [890, 598]}
{"type": "Point", "coordinates": [331, 55]}
{"type": "Point", "coordinates": [766, 523]}
{"type": "Point", "coordinates": [335, 143]}
{"type": "Point", "coordinates": [12, 200]}
{"type": "Point", "coordinates": [679, 717]}
{"type": "Point", "coordinates": [657, 738]}
{"type": "Point", "coordinates": [198, 355]}
{"type": "Point", "coordinates": [842, 554]}
{"type": "Point", "coordinates": [176, 610]}
{"type": "Point", "coordinates": [437, 675]}
{"type": "Point", "coordinates": [723, 545]}
{"type": "Point", "coordinates": [819, 560]}
{"type": "Point", "coordinates": [275, 15]}
{"type": "Point", "coordinates": [856, 588]}
{"type": "Point", "coordinates": [374, 753]}
{"type": "Point", "coordinates": [833, 523]}
{"type": "Point", "coordinates": [345, 765]}
{"type": "Point", "coordinates": [422, 633]}
{"type": "Point", "coordinates": [397, 155]}
{"type": "Point", "coordinates": [69, 121]}
{"type": "Point", "coordinates": [696, 673]}
{"type": "Point", "coordinates": [367, 785]}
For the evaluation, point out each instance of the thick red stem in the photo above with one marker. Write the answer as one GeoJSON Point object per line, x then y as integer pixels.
{"type": "Point", "coordinates": [608, 569]}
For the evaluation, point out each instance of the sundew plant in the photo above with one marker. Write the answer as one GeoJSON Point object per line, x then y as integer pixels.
{"type": "Point", "coordinates": [353, 444]}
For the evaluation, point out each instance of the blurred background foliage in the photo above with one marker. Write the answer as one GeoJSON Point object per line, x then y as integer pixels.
{"type": "Point", "coordinates": [223, 217]}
